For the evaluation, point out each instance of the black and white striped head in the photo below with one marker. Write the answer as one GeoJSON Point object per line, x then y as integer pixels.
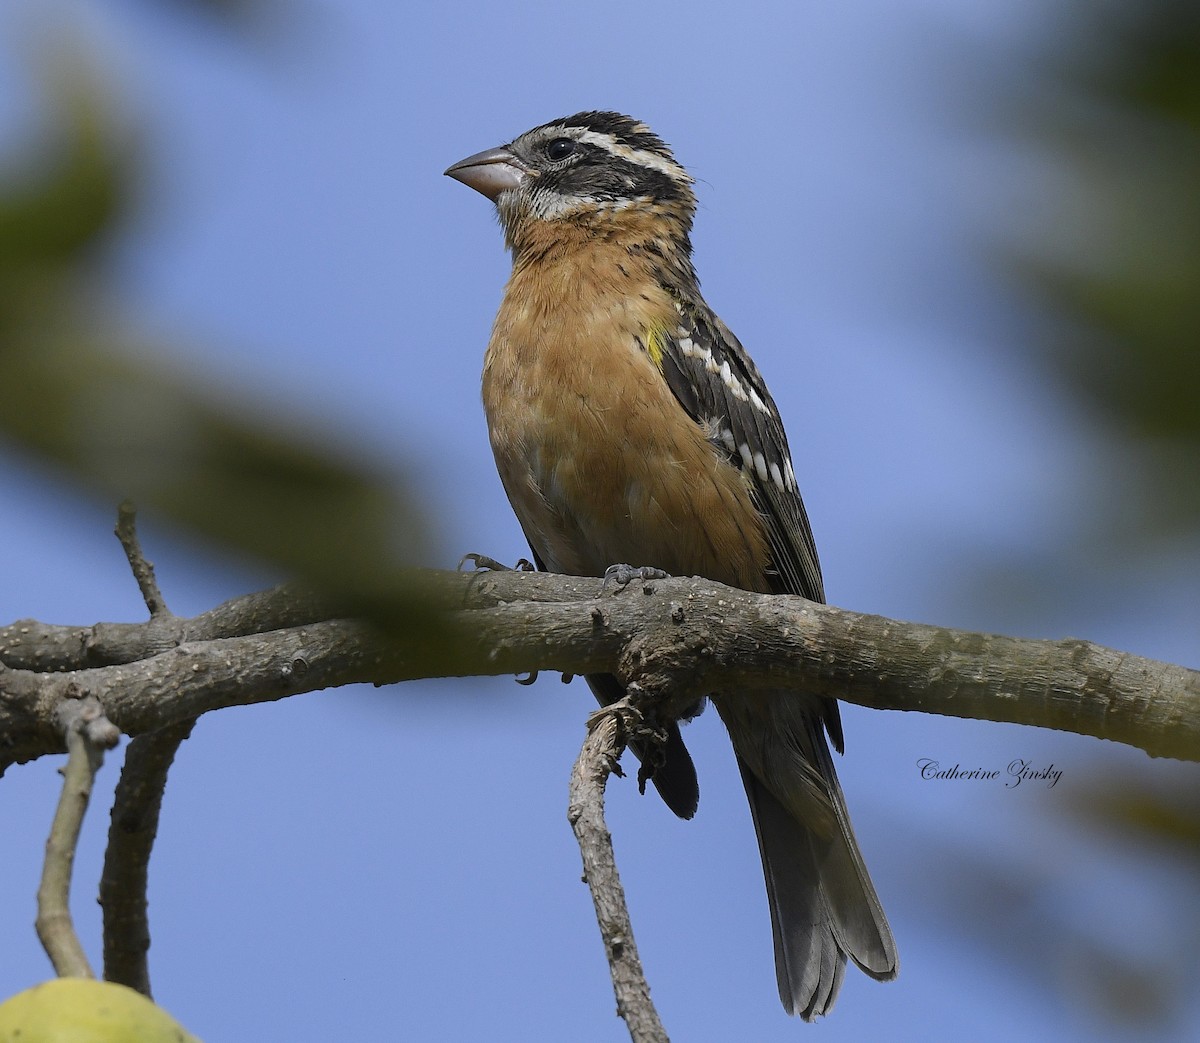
{"type": "Point", "coordinates": [589, 168]}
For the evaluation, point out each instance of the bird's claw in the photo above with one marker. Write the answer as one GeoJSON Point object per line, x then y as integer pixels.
{"type": "Point", "coordinates": [652, 754]}
{"type": "Point", "coordinates": [483, 563]}
{"type": "Point", "coordinates": [632, 726]}
{"type": "Point", "coordinates": [623, 575]}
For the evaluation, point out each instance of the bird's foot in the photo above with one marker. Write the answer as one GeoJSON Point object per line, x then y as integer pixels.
{"type": "Point", "coordinates": [653, 754]}
{"type": "Point", "coordinates": [623, 575]}
{"type": "Point", "coordinates": [482, 563]}
{"type": "Point", "coordinates": [634, 728]}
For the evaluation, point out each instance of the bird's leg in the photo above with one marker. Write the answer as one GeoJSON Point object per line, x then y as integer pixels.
{"type": "Point", "coordinates": [483, 563]}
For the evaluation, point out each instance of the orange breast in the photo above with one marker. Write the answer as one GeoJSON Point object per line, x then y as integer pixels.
{"type": "Point", "coordinates": [600, 462]}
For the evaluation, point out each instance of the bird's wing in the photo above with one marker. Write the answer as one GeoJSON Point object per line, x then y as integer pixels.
{"type": "Point", "coordinates": [719, 386]}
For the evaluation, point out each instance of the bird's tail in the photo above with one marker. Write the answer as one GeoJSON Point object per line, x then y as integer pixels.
{"type": "Point", "coordinates": [823, 905]}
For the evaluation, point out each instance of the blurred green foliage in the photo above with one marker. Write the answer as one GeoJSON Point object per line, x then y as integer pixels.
{"type": "Point", "coordinates": [52, 214]}
{"type": "Point", "coordinates": [1118, 114]}
{"type": "Point", "coordinates": [73, 393]}
{"type": "Point", "coordinates": [1163, 815]}
{"type": "Point", "coordinates": [1115, 261]}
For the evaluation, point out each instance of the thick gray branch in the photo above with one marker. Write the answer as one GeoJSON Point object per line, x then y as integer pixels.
{"type": "Point", "coordinates": [687, 636]}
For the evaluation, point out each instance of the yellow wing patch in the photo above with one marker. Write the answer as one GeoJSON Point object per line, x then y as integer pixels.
{"type": "Point", "coordinates": [654, 345]}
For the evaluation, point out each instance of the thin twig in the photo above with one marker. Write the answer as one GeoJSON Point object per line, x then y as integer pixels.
{"type": "Point", "coordinates": [597, 760]}
{"type": "Point", "coordinates": [131, 834]}
{"type": "Point", "coordinates": [143, 570]}
{"type": "Point", "coordinates": [88, 734]}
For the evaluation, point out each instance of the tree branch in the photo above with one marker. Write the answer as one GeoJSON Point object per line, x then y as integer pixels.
{"type": "Point", "coordinates": [137, 802]}
{"type": "Point", "coordinates": [669, 640]}
{"type": "Point", "coordinates": [143, 570]}
{"type": "Point", "coordinates": [685, 636]}
{"type": "Point", "coordinates": [131, 834]}
{"type": "Point", "coordinates": [87, 735]}
{"type": "Point", "coordinates": [598, 759]}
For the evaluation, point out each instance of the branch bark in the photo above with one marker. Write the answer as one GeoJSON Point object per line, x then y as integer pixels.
{"type": "Point", "coordinates": [131, 834]}
{"type": "Point", "coordinates": [87, 735]}
{"type": "Point", "coordinates": [686, 636]}
{"type": "Point", "coordinates": [138, 800]}
{"type": "Point", "coordinates": [598, 759]}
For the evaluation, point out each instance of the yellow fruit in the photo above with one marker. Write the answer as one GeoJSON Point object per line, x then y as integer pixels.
{"type": "Point", "coordinates": [82, 1010]}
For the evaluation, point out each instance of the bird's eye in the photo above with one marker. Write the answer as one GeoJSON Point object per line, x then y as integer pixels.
{"type": "Point", "coordinates": [559, 149]}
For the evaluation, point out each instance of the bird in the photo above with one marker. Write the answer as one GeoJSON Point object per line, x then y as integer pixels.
{"type": "Point", "coordinates": [629, 424]}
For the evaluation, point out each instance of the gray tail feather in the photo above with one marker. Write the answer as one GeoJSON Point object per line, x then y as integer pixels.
{"type": "Point", "coordinates": [675, 775]}
{"type": "Point", "coordinates": [823, 905]}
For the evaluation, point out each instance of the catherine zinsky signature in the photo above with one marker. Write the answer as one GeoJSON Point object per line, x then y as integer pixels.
{"type": "Point", "coordinates": [1018, 771]}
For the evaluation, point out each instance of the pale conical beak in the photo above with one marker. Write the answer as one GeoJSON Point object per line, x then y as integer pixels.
{"type": "Point", "coordinates": [490, 172]}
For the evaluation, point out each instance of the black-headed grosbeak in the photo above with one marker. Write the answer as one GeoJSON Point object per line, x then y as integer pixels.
{"type": "Point", "coordinates": [629, 425]}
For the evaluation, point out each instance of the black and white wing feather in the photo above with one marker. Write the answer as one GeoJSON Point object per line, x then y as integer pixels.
{"type": "Point", "coordinates": [720, 387]}
{"type": "Point", "coordinates": [718, 384]}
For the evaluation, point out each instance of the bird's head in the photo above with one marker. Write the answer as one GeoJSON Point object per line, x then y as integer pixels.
{"type": "Point", "coordinates": [599, 172]}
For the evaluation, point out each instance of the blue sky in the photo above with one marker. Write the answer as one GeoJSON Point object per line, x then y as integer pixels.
{"type": "Point", "coordinates": [396, 863]}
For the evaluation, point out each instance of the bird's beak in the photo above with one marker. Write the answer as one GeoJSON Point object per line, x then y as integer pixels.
{"type": "Point", "coordinates": [490, 172]}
